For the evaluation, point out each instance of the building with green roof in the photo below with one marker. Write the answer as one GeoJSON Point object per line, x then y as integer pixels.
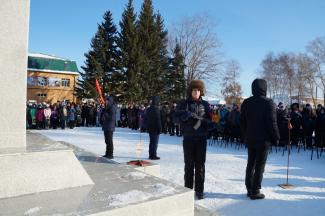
{"type": "Point", "coordinates": [50, 78]}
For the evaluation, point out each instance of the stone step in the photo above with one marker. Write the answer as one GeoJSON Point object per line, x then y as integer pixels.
{"type": "Point", "coordinates": [118, 189]}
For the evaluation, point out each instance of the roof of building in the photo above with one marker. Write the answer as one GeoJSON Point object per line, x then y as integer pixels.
{"type": "Point", "coordinates": [50, 63]}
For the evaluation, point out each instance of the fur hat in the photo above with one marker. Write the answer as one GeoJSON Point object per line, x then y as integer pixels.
{"type": "Point", "coordinates": [196, 84]}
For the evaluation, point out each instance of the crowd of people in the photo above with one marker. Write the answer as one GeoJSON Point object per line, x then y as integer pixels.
{"type": "Point", "coordinates": [62, 115]}
{"type": "Point", "coordinates": [308, 124]}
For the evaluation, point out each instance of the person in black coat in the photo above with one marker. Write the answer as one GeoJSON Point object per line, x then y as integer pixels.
{"type": "Point", "coordinates": [296, 122]}
{"type": "Point", "coordinates": [282, 121]}
{"type": "Point", "coordinates": [320, 128]}
{"type": "Point", "coordinates": [308, 124]}
{"type": "Point", "coordinates": [153, 125]}
{"type": "Point", "coordinates": [84, 114]}
{"type": "Point", "coordinates": [260, 130]}
{"type": "Point", "coordinates": [108, 117]}
{"type": "Point", "coordinates": [194, 116]}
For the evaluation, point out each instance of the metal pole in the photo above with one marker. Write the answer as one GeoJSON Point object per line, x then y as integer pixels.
{"type": "Point", "coordinates": [287, 185]}
{"type": "Point", "coordinates": [288, 156]}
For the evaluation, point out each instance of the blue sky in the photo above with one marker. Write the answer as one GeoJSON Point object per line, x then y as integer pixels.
{"type": "Point", "coordinates": [248, 30]}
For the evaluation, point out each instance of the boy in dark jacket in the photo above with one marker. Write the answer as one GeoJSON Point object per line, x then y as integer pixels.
{"type": "Point", "coordinates": [194, 115]}
{"type": "Point", "coordinates": [259, 127]}
{"type": "Point", "coordinates": [108, 117]}
{"type": "Point", "coordinates": [154, 127]}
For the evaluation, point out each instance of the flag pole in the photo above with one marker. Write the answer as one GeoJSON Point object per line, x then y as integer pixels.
{"type": "Point", "coordinates": [287, 185]}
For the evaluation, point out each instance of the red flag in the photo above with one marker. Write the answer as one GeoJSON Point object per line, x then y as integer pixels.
{"type": "Point", "coordinates": [101, 99]}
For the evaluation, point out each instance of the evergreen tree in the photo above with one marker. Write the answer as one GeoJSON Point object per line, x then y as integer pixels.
{"type": "Point", "coordinates": [102, 61]}
{"type": "Point", "coordinates": [175, 88]}
{"type": "Point", "coordinates": [129, 46]}
{"type": "Point", "coordinates": [178, 64]}
{"type": "Point", "coordinates": [161, 60]}
{"type": "Point", "coordinates": [147, 34]}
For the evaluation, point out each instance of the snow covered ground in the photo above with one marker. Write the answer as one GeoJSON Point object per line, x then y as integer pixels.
{"type": "Point", "coordinates": [225, 172]}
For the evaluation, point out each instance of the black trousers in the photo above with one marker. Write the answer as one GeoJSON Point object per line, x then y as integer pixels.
{"type": "Point", "coordinates": [255, 168]}
{"type": "Point", "coordinates": [178, 130]}
{"type": "Point", "coordinates": [153, 144]}
{"type": "Point", "coordinates": [194, 158]}
{"type": "Point", "coordinates": [109, 143]}
{"type": "Point", "coordinates": [71, 124]}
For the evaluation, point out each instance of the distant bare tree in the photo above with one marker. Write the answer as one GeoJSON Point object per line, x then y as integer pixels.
{"type": "Point", "coordinates": [281, 74]}
{"type": "Point", "coordinates": [231, 89]}
{"type": "Point", "coordinates": [316, 49]}
{"type": "Point", "coordinates": [287, 68]}
{"type": "Point", "coordinates": [271, 71]}
{"type": "Point", "coordinates": [306, 75]}
{"type": "Point", "coordinates": [199, 45]}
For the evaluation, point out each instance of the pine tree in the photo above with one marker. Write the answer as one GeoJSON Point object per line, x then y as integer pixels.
{"type": "Point", "coordinates": [178, 64]}
{"type": "Point", "coordinates": [175, 79]}
{"type": "Point", "coordinates": [129, 46]}
{"type": "Point", "coordinates": [147, 34]}
{"type": "Point", "coordinates": [102, 61]}
{"type": "Point", "coordinates": [161, 60]}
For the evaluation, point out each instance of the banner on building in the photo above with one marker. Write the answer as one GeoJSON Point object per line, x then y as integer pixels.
{"type": "Point", "coordinates": [31, 81]}
{"type": "Point", "coordinates": [41, 81]}
{"type": "Point", "coordinates": [54, 82]}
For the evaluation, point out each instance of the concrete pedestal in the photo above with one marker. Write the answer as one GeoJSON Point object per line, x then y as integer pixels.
{"type": "Point", "coordinates": [45, 166]}
{"type": "Point", "coordinates": [119, 190]}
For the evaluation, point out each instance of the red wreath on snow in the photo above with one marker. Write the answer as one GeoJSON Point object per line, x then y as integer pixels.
{"type": "Point", "coordinates": [138, 163]}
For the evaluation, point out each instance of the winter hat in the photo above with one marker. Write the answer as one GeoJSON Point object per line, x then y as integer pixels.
{"type": "Point", "coordinates": [196, 84]}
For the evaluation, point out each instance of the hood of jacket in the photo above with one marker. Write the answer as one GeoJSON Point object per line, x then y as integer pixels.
{"type": "Point", "coordinates": [155, 101]}
{"type": "Point", "coordinates": [259, 87]}
{"type": "Point", "coordinates": [110, 100]}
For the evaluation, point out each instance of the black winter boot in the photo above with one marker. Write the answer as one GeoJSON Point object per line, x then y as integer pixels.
{"type": "Point", "coordinates": [256, 196]}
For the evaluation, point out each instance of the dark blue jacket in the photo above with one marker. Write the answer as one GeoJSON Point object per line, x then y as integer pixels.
{"type": "Point", "coordinates": [153, 117]}
{"type": "Point", "coordinates": [189, 113]}
{"type": "Point", "coordinates": [108, 115]}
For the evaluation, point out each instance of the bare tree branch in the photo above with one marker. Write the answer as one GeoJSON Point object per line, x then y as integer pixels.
{"type": "Point", "coordinates": [199, 45]}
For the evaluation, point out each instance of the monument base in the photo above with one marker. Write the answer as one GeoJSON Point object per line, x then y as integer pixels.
{"type": "Point", "coordinates": [39, 168]}
{"type": "Point", "coordinates": [119, 190]}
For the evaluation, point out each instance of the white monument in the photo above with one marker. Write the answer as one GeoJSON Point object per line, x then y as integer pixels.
{"type": "Point", "coordinates": [25, 169]}
{"type": "Point", "coordinates": [14, 24]}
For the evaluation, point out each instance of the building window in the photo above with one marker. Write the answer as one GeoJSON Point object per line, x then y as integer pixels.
{"type": "Point", "coordinates": [54, 82]}
{"type": "Point", "coordinates": [65, 82]}
{"type": "Point", "coordinates": [41, 81]}
{"type": "Point", "coordinates": [41, 95]}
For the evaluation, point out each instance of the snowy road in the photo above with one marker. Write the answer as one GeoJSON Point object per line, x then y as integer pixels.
{"type": "Point", "coordinates": [225, 171]}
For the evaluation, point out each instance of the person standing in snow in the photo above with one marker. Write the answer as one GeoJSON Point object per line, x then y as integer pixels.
{"type": "Point", "coordinates": [259, 127]}
{"type": "Point", "coordinates": [194, 115]}
{"type": "Point", "coordinates": [108, 117]}
{"type": "Point", "coordinates": [71, 116]}
{"type": "Point", "coordinates": [47, 116]}
{"type": "Point", "coordinates": [154, 127]}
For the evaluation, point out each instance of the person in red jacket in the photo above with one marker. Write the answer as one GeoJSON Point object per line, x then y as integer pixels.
{"type": "Point", "coordinates": [40, 117]}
